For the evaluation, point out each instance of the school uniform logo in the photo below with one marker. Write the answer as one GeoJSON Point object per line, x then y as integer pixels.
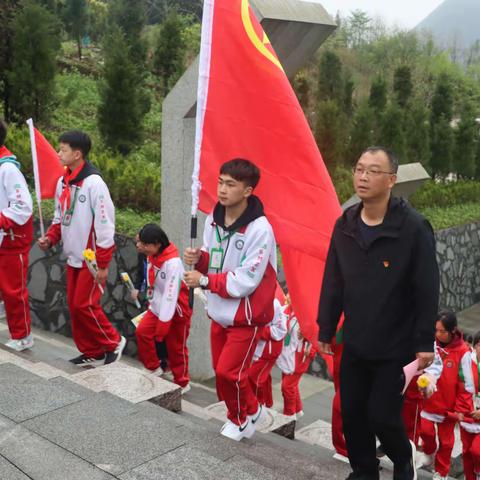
{"type": "Point", "coordinates": [386, 263]}
{"type": "Point", "coordinates": [82, 198]}
{"type": "Point", "coordinates": [163, 275]}
{"type": "Point", "coordinates": [449, 364]}
{"type": "Point", "coordinates": [239, 244]}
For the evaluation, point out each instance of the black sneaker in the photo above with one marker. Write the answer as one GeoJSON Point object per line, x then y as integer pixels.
{"type": "Point", "coordinates": [116, 355]}
{"type": "Point", "coordinates": [84, 361]}
{"type": "Point", "coordinates": [363, 476]}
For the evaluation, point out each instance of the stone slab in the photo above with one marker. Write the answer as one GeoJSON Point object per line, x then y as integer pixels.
{"type": "Point", "coordinates": [10, 472]}
{"type": "Point", "coordinates": [186, 463]}
{"type": "Point", "coordinates": [42, 460]}
{"type": "Point", "coordinates": [272, 422]}
{"type": "Point", "coordinates": [317, 433]}
{"type": "Point", "coordinates": [131, 384]}
{"type": "Point", "coordinates": [110, 433]}
{"type": "Point", "coordinates": [24, 395]}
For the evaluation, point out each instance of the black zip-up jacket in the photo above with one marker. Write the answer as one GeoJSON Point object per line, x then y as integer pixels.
{"type": "Point", "coordinates": [388, 290]}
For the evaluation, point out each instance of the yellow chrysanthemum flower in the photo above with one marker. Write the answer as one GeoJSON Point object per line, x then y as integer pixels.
{"type": "Point", "coordinates": [89, 255]}
{"type": "Point", "coordinates": [423, 381]}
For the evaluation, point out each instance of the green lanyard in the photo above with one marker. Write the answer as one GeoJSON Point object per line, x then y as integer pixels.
{"type": "Point", "coordinates": [68, 215]}
{"type": "Point", "coordinates": [217, 255]}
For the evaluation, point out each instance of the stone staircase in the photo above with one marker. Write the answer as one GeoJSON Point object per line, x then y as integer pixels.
{"type": "Point", "coordinates": [58, 422]}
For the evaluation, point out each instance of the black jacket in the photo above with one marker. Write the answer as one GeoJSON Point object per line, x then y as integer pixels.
{"type": "Point", "coordinates": [388, 290]}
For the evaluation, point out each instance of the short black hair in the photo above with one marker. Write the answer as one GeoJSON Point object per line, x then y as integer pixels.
{"type": "Point", "coordinates": [392, 158]}
{"type": "Point", "coordinates": [476, 338]}
{"type": "Point", "coordinates": [448, 319]}
{"type": "Point", "coordinates": [77, 140]}
{"type": "Point", "coordinates": [3, 132]}
{"type": "Point", "coordinates": [468, 337]}
{"type": "Point", "coordinates": [242, 171]}
{"type": "Point", "coordinates": [151, 233]}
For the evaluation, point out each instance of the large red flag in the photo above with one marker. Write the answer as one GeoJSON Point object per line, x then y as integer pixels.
{"type": "Point", "coordinates": [47, 168]}
{"type": "Point", "coordinates": [247, 108]}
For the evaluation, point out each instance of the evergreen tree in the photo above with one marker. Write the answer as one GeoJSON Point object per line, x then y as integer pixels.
{"type": "Point", "coordinates": [417, 134]}
{"type": "Point", "coordinates": [441, 147]}
{"type": "Point", "coordinates": [477, 158]}
{"type": "Point", "coordinates": [392, 130]}
{"type": "Point", "coordinates": [120, 112]}
{"type": "Point", "coordinates": [169, 59]}
{"type": "Point", "coordinates": [302, 89]}
{"type": "Point", "coordinates": [348, 89]}
{"type": "Point", "coordinates": [330, 78]}
{"type": "Point", "coordinates": [33, 67]}
{"type": "Point", "coordinates": [378, 94]}
{"type": "Point", "coordinates": [362, 133]}
{"type": "Point", "coordinates": [463, 161]}
{"type": "Point", "coordinates": [442, 101]}
{"type": "Point", "coordinates": [75, 17]}
{"type": "Point", "coordinates": [402, 85]}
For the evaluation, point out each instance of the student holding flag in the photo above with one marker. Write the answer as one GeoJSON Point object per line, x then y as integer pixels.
{"type": "Point", "coordinates": [237, 267]}
{"type": "Point", "coordinates": [85, 219]}
{"type": "Point", "coordinates": [16, 235]}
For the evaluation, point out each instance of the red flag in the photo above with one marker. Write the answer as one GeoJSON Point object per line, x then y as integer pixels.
{"type": "Point", "coordinates": [47, 167]}
{"type": "Point", "coordinates": [248, 109]}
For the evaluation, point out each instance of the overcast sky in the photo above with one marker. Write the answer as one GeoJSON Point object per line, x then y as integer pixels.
{"type": "Point", "coordinates": [404, 13]}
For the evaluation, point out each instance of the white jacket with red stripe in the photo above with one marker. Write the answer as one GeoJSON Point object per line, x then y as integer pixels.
{"type": "Point", "coordinates": [241, 291]}
{"type": "Point", "coordinates": [92, 224]}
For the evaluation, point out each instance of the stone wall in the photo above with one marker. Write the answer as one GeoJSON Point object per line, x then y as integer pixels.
{"type": "Point", "coordinates": [458, 254]}
{"type": "Point", "coordinates": [458, 251]}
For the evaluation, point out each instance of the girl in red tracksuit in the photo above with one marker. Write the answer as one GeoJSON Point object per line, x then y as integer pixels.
{"type": "Point", "coordinates": [450, 396]}
{"type": "Point", "coordinates": [268, 350]}
{"type": "Point", "coordinates": [297, 353]}
{"type": "Point", "coordinates": [168, 315]}
{"type": "Point", "coordinates": [470, 427]}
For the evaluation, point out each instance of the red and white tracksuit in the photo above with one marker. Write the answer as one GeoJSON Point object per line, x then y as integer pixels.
{"type": "Point", "coordinates": [87, 222]}
{"type": "Point", "coordinates": [240, 296]}
{"type": "Point", "coordinates": [470, 428]}
{"type": "Point", "coordinates": [268, 350]}
{"type": "Point", "coordinates": [293, 362]}
{"type": "Point", "coordinates": [16, 235]}
{"type": "Point", "coordinates": [452, 393]}
{"type": "Point", "coordinates": [412, 408]}
{"type": "Point", "coordinates": [168, 315]}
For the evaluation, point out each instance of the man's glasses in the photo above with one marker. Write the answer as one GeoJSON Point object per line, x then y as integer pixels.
{"type": "Point", "coordinates": [374, 172]}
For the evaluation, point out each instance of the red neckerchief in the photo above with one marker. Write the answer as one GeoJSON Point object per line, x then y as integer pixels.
{"type": "Point", "coordinates": [157, 261]}
{"type": "Point", "coordinates": [5, 152]}
{"type": "Point", "coordinates": [65, 196]}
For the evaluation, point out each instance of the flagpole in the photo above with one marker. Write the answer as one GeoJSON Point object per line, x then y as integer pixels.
{"type": "Point", "coordinates": [36, 175]}
{"type": "Point", "coordinates": [202, 93]}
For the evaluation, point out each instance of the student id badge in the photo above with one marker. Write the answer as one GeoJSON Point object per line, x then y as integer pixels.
{"type": "Point", "coordinates": [216, 258]}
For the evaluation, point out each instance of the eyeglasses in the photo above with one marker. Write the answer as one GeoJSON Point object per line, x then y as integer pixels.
{"type": "Point", "coordinates": [370, 172]}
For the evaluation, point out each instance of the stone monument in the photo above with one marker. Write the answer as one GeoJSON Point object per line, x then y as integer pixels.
{"type": "Point", "coordinates": [296, 28]}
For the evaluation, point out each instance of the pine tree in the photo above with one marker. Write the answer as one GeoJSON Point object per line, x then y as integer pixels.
{"type": "Point", "coordinates": [417, 134]}
{"type": "Point", "coordinates": [441, 147]}
{"type": "Point", "coordinates": [330, 78]}
{"type": "Point", "coordinates": [392, 130]}
{"type": "Point", "coordinates": [32, 73]}
{"type": "Point", "coordinates": [75, 17]}
{"type": "Point", "coordinates": [362, 133]}
{"type": "Point", "coordinates": [378, 94]}
{"type": "Point", "coordinates": [442, 101]}
{"type": "Point", "coordinates": [120, 112]}
{"type": "Point", "coordinates": [402, 85]}
{"type": "Point", "coordinates": [463, 161]}
{"type": "Point", "coordinates": [169, 59]}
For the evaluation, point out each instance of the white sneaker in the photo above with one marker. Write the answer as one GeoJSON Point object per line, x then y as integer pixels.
{"type": "Point", "coordinates": [424, 460]}
{"type": "Point", "coordinates": [300, 414]}
{"type": "Point", "coordinates": [291, 417]}
{"type": "Point", "coordinates": [414, 454]}
{"type": "Point", "coordinates": [255, 420]}
{"type": "Point", "coordinates": [21, 344]}
{"type": "Point", "coordinates": [185, 389]}
{"type": "Point", "coordinates": [438, 476]}
{"type": "Point", "coordinates": [233, 431]}
{"type": "Point", "coordinates": [158, 371]}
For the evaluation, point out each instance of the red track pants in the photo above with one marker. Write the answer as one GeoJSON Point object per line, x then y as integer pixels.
{"type": "Point", "coordinates": [446, 440]}
{"type": "Point", "coordinates": [471, 454]}
{"type": "Point", "coordinates": [292, 403]}
{"type": "Point", "coordinates": [13, 285]}
{"type": "Point", "coordinates": [232, 353]}
{"type": "Point", "coordinates": [175, 334]}
{"type": "Point", "coordinates": [92, 332]}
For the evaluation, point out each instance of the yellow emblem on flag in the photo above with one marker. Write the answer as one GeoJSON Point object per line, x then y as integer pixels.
{"type": "Point", "coordinates": [260, 44]}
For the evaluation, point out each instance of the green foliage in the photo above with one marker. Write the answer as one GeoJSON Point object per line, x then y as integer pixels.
{"type": "Point", "coordinates": [417, 134]}
{"type": "Point", "coordinates": [465, 146]}
{"type": "Point", "coordinates": [392, 133]}
{"type": "Point", "coordinates": [129, 222]}
{"type": "Point", "coordinates": [402, 85]}
{"type": "Point", "coordinates": [330, 78]}
{"type": "Point", "coordinates": [75, 16]}
{"type": "Point", "coordinates": [447, 217]}
{"type": "Point", "coordinates": [378, 94]}
{"type": "Point", "coordinates": [343, 182]}
{"type": "Point", "coordinates": [442, 102]}
{"type": "Point", "coordinates": [32, 73]}
{"type": "Point", "coordinates": [362, 133]}
{"type": "Point", "coordinates": [441, 147]}
{"type": "Point", "coordinates": [440, 194]}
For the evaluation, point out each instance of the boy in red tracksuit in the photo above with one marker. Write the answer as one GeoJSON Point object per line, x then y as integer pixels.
{"type": "Point", "coordinates": [237, 267]}
{"type": "Point", "coordinates": [297, 353]}
{"type": "Point", "coordinates": [168, 315]}
{"type": "Point", "coordinates": [16, 235]}
{"type": "Point", "coordinates": [470, 426]}
{"type": "Point", "coordinates": [85, 219]}
{"type": "Point", "coordinates": [449, 398]}
{"type": "Point", "coordinates": [268, 350]}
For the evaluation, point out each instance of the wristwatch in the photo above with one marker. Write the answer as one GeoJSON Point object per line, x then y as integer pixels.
{"type": "Point", "coordinates": [203, 282]}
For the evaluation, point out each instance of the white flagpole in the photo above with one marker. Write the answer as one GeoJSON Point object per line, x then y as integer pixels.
{"type": "Point", "coordinates": [36, 175]}
{"type": "Point", "coordinates": [202, 94]}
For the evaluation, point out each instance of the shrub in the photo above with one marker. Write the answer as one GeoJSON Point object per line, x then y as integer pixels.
{"type": "Point", "coordinates": [440, 194]}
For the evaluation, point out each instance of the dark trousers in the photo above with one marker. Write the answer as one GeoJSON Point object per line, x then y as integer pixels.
{"type": "Point", "coordinates": [371, 400]}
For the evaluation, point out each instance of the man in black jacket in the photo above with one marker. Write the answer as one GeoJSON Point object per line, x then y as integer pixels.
{"type": "Point", "coordinates": [381, 272]}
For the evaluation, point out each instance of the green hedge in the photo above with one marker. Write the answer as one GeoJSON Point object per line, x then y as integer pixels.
{"type": "Point", "coordinates": [440, 194]}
